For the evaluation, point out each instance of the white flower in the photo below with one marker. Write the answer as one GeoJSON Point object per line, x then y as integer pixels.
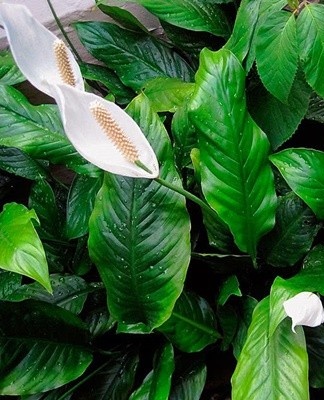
{"type": "Point", "coordinates": [105, 135]}
{"type": "Point", "coordinates": [40, 55]}
{"type": "Point", "coordinates": [304, 309]}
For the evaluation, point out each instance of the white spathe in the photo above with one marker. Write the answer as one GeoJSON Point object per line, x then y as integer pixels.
{"type": "Point", "coordinates": [93, 144]}
{"type": "Point", "coordinates": [304, 309]}
{"type": "Point", "coordinates": [31, 45]}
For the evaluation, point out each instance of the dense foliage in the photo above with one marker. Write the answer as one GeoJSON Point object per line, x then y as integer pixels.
{"type": "Point", "coordinates": [123, 288]}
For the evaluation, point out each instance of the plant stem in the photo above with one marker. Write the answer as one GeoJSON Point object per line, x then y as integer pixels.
{"type": "Point", "coordinates": [57, 20]}
{"type": "Point", "coordinates": [186, 194]}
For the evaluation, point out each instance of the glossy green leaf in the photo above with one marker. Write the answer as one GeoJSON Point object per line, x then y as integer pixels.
{"type": "Point", "coordinates": [316, 108]}
{"type": "Point", "coordinates": [9, 283]}
{"type": "Point", "coordinates": [310, 35]}
{"type": "Point", "coordinates": [229, 288]}
{"type": "Point", "coordinates": [192, 325]}
{"type": "Point", "coordinates": [18, 163]}
{"type": "Point", "coordinates": [277, 53]}
{"type": "Point", "coordinates": [99, 321]}
{"type": "Point", "coordinates": [109, 79]}
{"type": "Point", "coordinates": [80, 204]}
{"type": "Point", "coordinates": [37, 130]}
{"type": "Point", "coordinates": [21, 250]}
{"type": "Point", "coordinates": [9, 72]}
{"type": "Point", "coordinates": [139, 236]}
{"type": "Point", "coordinates": [244, 27]}
{"type": "Point", "coordinates": [261, 371]}
{"type": "Point", "coordinates": [278, 120]}
{"type": "Point", "coordinates": [302, 170]}
{"type": "Point", "coordinates": [69, 292]}
{"type": "Point", "coordinates": [237, 180]}
{"type": "Point", "coordinates": [41, 347]}
{"type": "Point", "coordinates": [293, 234]}
{"type": "Point", "coordinates": [228, 321]}
{"type": "Point", "coordinates": [43, 200]}
{"type": "Point", "coordinates": [168, 94]}
{"type": "Point", "coordinates": [309, 279]}
{"type": "Point", "coordinates": [189, 381]}
{"type": "Point", "coordinates": [195, 15]}
{"type": "Point", "coordinates": [135, 57]}
{"type": "Point", "coordinates": [112, 380]}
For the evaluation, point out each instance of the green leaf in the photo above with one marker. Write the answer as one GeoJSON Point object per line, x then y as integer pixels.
{"type": "Point", "coordinates": [228, 320]}
{"type": "Point", "coordinates": [9, 283]}
{"type": "Point", "coordinates": [9, 72]}
{"type": "Point", "coordinates": [302, 170]}
{"type": "Point", "coordinates": [229, 288]}
{"type": "Point", "coordinates": [43, 200]}
{"type": "Point", "coordinates": [244, 27]}
{"type": "Point", "coordinates": [293, 234]}
{"type": "Point", "coordinates": [69, 292]}
{"type": "Point", "coordinates": [237, 180]}
{"type": "Point", "coordinates": [37, 130]}
{"type": "Point", "coordinates": [163, 368]}
{"type": "Point", "coordinates": [168, 94]}
{"type": "Point", "coordinates": [278, 120]}
{"type": "Point", "coordinates": [21, 250]}
{"type": "Point", "coordinates": [108, 78]}
{"type": "Point", "coordinates": [189, 381]}
{"type": "Point", "coordinates": [80, 204]}
{"type": "Point", "coordinates": [121, 15]}
{"type": "Point", "coordinates": [112, 380]}
{"type": "Point", "coordinates": [140, 236]}
{"type": "Point", "coordinates": [277, 53]}
{"type": "Point", "coordinates": [310, 35]}
{"type": "Point", "coordinates": [316, 108]}
{"type": "Point", "coordinates": [135, 57]}
{"type": "Point", "coordinates": [315, 349]}
{"type": "Point", "coordinates": [192, 325]}
{"type": "Point", "coordinates": [16, 162]}
{"type": "Point", "coordinates": [261, 371]}
{"type": "Point", "coordinates": [41, 347]}
{"type": "Point", "coordinates": [195, 15]}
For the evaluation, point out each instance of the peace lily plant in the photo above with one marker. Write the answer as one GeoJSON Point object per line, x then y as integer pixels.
{"type": "Point", "coordinates": [99, 130]}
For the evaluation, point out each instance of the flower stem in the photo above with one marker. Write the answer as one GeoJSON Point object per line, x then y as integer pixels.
{"type": "Point", "coordinates": [187, 195]}
{"type": "Point", "coordinates": [57, 20]}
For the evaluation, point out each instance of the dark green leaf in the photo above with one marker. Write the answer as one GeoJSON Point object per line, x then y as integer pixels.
{"type": "Point", "coordinates": [277, 53]}
{"type": "Point", "coordinates": [21, 250]}
{"type": "Point", "coordinates": [228, 320]}
{"type": "Point", "coordinates": [18, 163]}
{"type": "Point", "coordinates": [9, 283]}
{"type": "Point", "coordinates": [316, 108]}
{"type": "Point", "coordinates": [9, 72]}
{"type": "Point", "coordinates": [139, 236]}
{"type": "Point", "coordinates": [37, 130]}
{"type": "Point", "coordinates": [230, 287]}
{"type": "Point", "coordinates": [293, 234]}
{"type": "Point", "coordinates": [41, 347]}
{"type": "Point", "coordinates": [237, 180]}
{"type": "Point", "coordinates": [310, 35]}
{"type": "Point", "coordinates": [195, 15]}
{"type": "Point", "coordinates": [80, 205]}
{"type": "Point", "coordinates": [136, 57]}
{"type": "Point", "coordinates": [261, 371]}
{"type": "Point", "coordinates": [192, 325]}
{"type": "Point", "coordinates": [302, 170]}
{"type": "Point", "coordinates": [315, 349]}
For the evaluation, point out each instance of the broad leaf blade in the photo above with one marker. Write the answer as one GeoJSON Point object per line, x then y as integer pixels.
{"type": "Point", "coordinates": [310, 35]}
{"type": "Point", "coordinates": [37, 130]}
{"type": "Point", "coordinates": [277, 53]}
{"type": "Point", "coordinates": [302, 169]}
{"type": "Point", "coordinates": [9, 72]}
{"type": "Point", "coordinates": [41, 347]}
{"type": "Point", "coordinates": [196, 15]}
{"type": "Point", "coordinates": [261, 371]}
{"type": "Point", "coordinates": [237, 180]}
{"type": "Point", "coordinates": [192, 325]}
{"type": "Point", "coordinates": [135, 57]}
{"type": "Point", "coordinates": [21, 249]}
{"type": "Point", "coordinates": [139, 236]}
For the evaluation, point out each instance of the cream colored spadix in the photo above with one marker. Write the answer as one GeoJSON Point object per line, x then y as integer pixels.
{"type": "Point", "coordinates": [304, 309]}
{"type": "Point", "coordinates": [40, 55]}
{"type": "Point", "coordinates": [105, 135]}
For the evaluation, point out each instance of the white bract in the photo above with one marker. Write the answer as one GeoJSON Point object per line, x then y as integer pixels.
{"type": "Point", "coordinates": [105, 135]}
{"type": "Point", "coordinates": [304, 309]}
{"type": "Point", "coordinates": [40, 55]}
{"type": "Point", "coordinates": [100, 131]}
